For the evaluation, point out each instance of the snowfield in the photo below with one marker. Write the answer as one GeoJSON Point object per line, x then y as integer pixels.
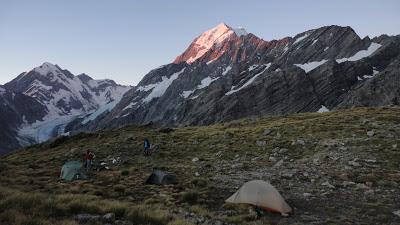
{"type": "Point", "coordinates": [362, 54]}
{"type": "Point", "coordinates": [233, 90]}
{"type": "Point", "coordinates": [204, 83]}
{"type": "Point", "coordinates": [299, 39]}
{"type": "Point", "coordinates": [323, 109]}
{"type": "Point", "coordinates": [226, 70]}
{"type": "Point", "coordinates": [158, 89]}
{"type": "Point", "coordinates": [307, 67]}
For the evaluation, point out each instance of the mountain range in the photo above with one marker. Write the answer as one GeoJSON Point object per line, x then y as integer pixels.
{"type": "Point", "coordinates": [227, 73]}
{"type": "Point", "coordinates": [224, 74]}
{"type": "Point", "coordinates": [37, 105]}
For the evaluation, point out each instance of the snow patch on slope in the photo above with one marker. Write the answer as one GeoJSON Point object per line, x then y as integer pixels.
{"type": "Point", "coordinates": [204, 83]}
{"type": "Point", "coordinates": [307, 67]}
{"type": "Point", "coordinates": [300, 38]}
{"type": "Point", "coordinates": [323, 109]}
{"type": "Point", "coordinates": [226, 70]}
{"type": "Point", "coordinates": [315, 41]}
{"type": "Point", "coordinates": [233, 90]}
{"type": "Point", "coordinates": [158, 89]}
{"type": "Point", "coordinates": [286, 48]}
{"type": "Point", "coordinates": [362, 54]}
{"type": "Point", "coordinates": [105, 108]}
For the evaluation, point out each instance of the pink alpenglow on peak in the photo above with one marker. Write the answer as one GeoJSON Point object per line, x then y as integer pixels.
{"type": "Point", "coordinates": [210, 40]}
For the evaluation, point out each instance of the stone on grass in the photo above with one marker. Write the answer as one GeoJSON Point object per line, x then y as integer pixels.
{"type": "Point", "coordinates": [370, 133]}
{"type": "Point", "coordinates": [267, 132]}
{"type": "Point", "coordinates": [327, 184]}
{"type": "Point", "coordinates": [283, 150]}
{"type": "Point", "coordinates": [361, 186]}
{"type": "Point", "coordinates": [300, 142]}
{"type": "Point", "coordinates": [195, 159]}
{"type": "Point", "coordinates": [109, 217]}
{"type": "Point", "coordinates": [272, 159]}
{"type": "Point", "coordinates": [86, 218]}
{"type": "Point", "coordinates": [218, 154]}
{"type": "Point", "coordinates": [353, 163]}
{"type": "Point", "coordinates": [397, 213]}
{"type": "Point", "coordinates": [278, 164]}
{"type": "Point", "coordinates": [307, 195]}
{"type": "Point", "coordinates": [261, 143]}
{"type": "Point", "coordinates": [347, 183]}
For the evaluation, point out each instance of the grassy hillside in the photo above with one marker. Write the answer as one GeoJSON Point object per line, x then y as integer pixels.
{"type": "Point", "coordinates": [332, 168]}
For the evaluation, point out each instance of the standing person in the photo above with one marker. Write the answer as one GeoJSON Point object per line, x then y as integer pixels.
{"type": "Point", "coordinates": [146, 146]}
{"type": "Point", "coordinates": [89, 158]}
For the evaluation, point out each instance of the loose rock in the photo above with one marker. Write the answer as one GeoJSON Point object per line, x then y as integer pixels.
{"type": "Point", "coordinates": [327, 184]}
{"type": "Point", "coordinates": [397, 213]}
{"type": "Point", "coordinates": [266, 132]}
{"type": "Point", "coordinates": [109, 217]}
{"type": "Point", "coordinates": [195, 159]}
{"type": "Point", "coordinates": [261, 143]}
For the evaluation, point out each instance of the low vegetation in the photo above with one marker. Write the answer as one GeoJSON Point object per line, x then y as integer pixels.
{"type": "Point", "coordinates": [331, 167]}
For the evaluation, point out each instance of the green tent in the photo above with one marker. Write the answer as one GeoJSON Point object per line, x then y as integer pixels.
{"type": "Point", "coordinates": [72, 171]}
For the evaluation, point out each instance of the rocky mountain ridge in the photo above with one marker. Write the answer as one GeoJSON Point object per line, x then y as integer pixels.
{"type": "Point", "coordinates": [224, 75]}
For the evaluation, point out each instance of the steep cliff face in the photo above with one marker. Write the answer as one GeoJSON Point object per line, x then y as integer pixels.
{"type": "Point", "coordinates": [15, 109]}
{"type": "Point", "coordinates": [228, 73]}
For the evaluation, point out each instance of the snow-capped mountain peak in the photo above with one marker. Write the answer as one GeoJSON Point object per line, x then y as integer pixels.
{"type": "Point", "coordinates": [63, 96]}
{"type": "Point", "coordinates": [210, 40]}
{"type": "Point", "coordinates": [47, 68]}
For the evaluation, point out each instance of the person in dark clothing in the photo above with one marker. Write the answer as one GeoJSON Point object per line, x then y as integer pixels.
{"type": "Point", "coordinates": [89, 158]}
{"type": "Point", "coordinates": [147, 146]}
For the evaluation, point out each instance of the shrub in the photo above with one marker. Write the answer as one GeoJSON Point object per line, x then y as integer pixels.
{"type": "Point", "coordinates": [119, 209]}
{"type": "Point", "coordinates": [83, 206]}
{"type": "Point", "coordinates": [124, 172]}
{"type": "Point", "coordinates": [51, 208]}
{"type": "Point", "coordinates": [180, 222]}
{"type": "Point", "coordinates": [198, 182]}
{"type": "Point", "coordinates": [190, 197]}
{"type": "Point", "coordinates": [119, 188]}
{"type": "Point", "coordinates": [59, 141]}
{"type": "Point", "coordinates": [33, 221]}
{"type": "Point", "coordinates": [145, 215]}
{"type": "Point", "coordinates": [8, 217]}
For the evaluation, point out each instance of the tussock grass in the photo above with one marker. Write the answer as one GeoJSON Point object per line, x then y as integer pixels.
{"type": "Point", "coordinates": [37, 208]}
